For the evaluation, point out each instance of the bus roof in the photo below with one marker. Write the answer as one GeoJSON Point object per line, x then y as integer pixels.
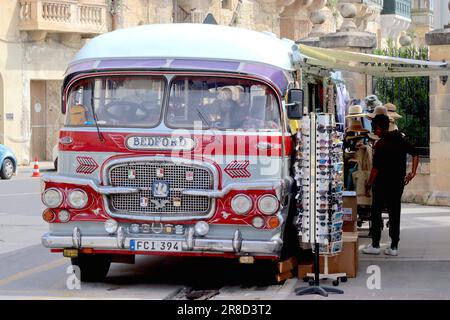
{"type": "Point", "coordinates": [191, 41]}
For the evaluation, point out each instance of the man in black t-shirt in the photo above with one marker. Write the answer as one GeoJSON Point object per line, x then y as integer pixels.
{"type": "Point", "coordinates": [387, 180]}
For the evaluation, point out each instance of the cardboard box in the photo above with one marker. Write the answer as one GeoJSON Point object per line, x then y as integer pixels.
{"type": "Point", "coordinates": [287, 265]}
{"type": "Point", "coordinates": [284, 276]}
{"type": "Point", "coordinates": [305, 268]}
{"type": "Point", "coordinates": [350, 206]}
{"type": "Point", "coordinates": [350, 226]}
{"type": "Point", "coordinates": [347, 260]}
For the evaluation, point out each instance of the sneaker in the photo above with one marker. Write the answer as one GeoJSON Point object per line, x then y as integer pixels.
{"type": "Point", "coordinates": [371, 250]}
{"type": "Point", "coordinates": [391, 252]}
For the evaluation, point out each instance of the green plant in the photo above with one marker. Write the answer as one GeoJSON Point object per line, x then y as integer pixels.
{"type": "Point", "coordinates": [114, 6]}
{"type": "Point", "coordinates": [332, 5]}
{"type": "Point", "coordinates": [410, 95]}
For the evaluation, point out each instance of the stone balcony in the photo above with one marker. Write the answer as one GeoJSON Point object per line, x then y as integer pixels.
{"type": "Point", "coordinates": [39, 17]}
{"type": "Point", "coordinates": [395, 18]}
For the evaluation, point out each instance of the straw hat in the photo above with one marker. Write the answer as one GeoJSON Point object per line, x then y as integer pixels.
{"type": "Point", "coordinates": [355, 111]}
{"type": "Point", "coordinates": [392, 111]}
{"type": "Point", "coordinates": [377, 111]}
{"type": "Point", "coordinates": [373, 136]}
{"type": "Point", "coordinates": [392, 126]}
{"type": "Point", "coordinates": [356, 126]}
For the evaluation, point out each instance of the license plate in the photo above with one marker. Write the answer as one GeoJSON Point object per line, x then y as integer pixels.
{"type": "Point", "coordinates": [151, 245]}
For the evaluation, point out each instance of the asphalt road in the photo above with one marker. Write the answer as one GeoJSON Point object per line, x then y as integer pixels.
{"type": "Point", "coordinates": [30, 271]}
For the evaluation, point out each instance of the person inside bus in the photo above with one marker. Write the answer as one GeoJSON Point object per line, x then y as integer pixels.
{"type": "Point", "coordinates": [231, 113]}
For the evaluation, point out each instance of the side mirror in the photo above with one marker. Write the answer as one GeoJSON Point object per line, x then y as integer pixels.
{"type": "Point", "coordinates": [294, 104]}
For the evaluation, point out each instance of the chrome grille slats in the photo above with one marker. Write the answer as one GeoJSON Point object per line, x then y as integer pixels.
{"type": "Point", "coordinates": [174, 174]}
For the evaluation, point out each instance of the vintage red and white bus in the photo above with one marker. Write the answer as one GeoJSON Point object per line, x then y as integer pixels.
{"type": "Point", "coordinates": [176, 142]}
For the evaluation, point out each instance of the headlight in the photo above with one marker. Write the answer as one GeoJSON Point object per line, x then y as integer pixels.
{"type": "Point", "coordinates": [241, 204]}
{"type": "Point", "coordinates": [268, 204]}
{"type": "Point", "coordinates": [63, 216]}
{"type": "Point", "coordinates": [258, 222]}
{"type": "Point", "coordinates": [77, 198]}
{"type": "Point", "coordinates": [201, 228]}
{"type": "Point", "coordinates": [111, 226]}
{"type": "Point", "coordinates": [52, 197]}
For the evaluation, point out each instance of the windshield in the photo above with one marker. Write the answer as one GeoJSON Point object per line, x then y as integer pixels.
{"type": "Point", "coordinates": [222, 103]}
{"type": "Point", "coordinates": [125, 101]}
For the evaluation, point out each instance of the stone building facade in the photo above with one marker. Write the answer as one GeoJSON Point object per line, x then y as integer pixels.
{"type": "Point", "coordinates": [38, 38]}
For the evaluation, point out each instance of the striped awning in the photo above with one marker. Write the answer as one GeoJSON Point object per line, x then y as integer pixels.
{"type": "Point", "coordinates": [380, 66]}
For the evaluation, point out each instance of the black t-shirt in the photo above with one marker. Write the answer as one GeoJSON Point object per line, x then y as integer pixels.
{"type": "Point", "coordinates": [389, 159]}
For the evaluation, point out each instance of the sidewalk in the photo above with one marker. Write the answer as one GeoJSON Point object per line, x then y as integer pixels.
{"type": "Point", "coordinates": [44, 166]}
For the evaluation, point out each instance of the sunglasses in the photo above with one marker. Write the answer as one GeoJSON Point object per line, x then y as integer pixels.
{"type": "Point", "coordinates": [322, 129]}
{"type": "Point", "coordinates": [324, 211]}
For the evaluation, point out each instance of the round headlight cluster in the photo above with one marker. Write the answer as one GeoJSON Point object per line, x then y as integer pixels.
{"type": "Point", "coordinates": [268, 204]}
{"type": "Point", "coordinates": [241, 204]}
{"type": "Point", "coordinates": [52, 198]}
{"type": "Point", "coordinates": [77, 199]}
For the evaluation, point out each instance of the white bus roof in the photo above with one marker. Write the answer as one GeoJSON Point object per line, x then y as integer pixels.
{"type": "Point", "coordinates": [195, 41]}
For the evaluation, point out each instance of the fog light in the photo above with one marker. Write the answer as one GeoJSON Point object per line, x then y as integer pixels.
{"type": "Point", "coordinates": [77, 198]}
{"type": "Point", "coordinates": [48, 215]}
{"type": "Point", "coordinates": [268, 204]}
{"type": "Point", "coordinates": [111, 226]}
{"type": "Point", "coordinates": [241, 204]}
{"type": "Point", "coordinates": [134, 228]}
{"type": "Point", "coordinates": [201, 228]}
{"type": "Point", "coordinates": [52, 197]}
{"type": "Point", "coordinates": [63, 216]}
{"type": "Point", "coordinates": [258, 222]}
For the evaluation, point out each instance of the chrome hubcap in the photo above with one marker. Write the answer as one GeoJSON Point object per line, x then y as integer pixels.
{"type": "Point", "coordinates": [9, 169]}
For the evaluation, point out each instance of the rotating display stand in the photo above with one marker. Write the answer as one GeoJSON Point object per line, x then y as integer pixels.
{"type": "Point", "coordinates": [318, 174]}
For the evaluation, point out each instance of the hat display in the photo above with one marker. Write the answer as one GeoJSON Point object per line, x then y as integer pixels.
{"type": "Point", "coordinates": [355, 111]}
{"type": "Point", "coordinates": [372, 102]}
{"type": "Point", "coordinates": [392, 111]}
{"type": "Point", "coordinates": [356, 126]}
{"type": "Point", "coordinates": [377, 111]}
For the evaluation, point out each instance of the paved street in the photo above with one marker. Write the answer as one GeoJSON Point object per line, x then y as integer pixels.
{"type": "Point", "coordinates": [27, 270]}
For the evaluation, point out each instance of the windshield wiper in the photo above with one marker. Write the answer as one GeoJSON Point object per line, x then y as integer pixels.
{"type": "Point", "coordinates": [100, 136]}
{"type": "Point", "coordinates": [202, 117]}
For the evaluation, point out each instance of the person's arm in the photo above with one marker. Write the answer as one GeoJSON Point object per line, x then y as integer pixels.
{"type": "Point", "coordinates": [410, 149]}
{"type": "Point", "coordinates": [412, 174]}
{"type": "Point", "coordinates": [369, 183]}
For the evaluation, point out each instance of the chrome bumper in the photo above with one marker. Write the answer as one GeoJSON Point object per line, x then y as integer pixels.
{"type": "Point", "coordinates": [190, 243]}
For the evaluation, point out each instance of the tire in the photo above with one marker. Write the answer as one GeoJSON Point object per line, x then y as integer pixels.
{"type": "Point", "coordinates": [55, 163]}
{"type": "Point", "coordinates": [344, 279]}
{"type": "Point", "coordinates": [335, 283]}
{"type": "Point", "coordinates": [93, 268]}
{"type": "Point", "coordinates": [7, 170]}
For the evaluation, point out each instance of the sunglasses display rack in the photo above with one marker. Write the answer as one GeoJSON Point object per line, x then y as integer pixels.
{"type": "Point", "coordinates": [302, 173]}
{"type": "Point", "coordinates": [318, 173]}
